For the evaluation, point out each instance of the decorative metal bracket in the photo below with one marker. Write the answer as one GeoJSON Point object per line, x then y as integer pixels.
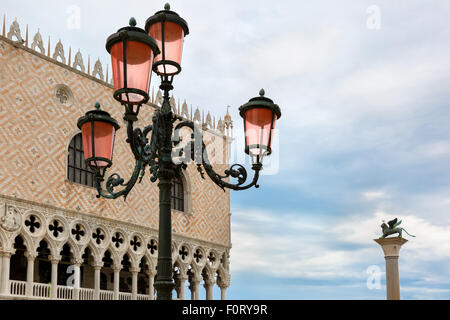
{"type": "Point", "coordinates": [160, 149]}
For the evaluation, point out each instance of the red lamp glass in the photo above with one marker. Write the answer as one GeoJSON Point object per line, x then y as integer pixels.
{"type": "Point", "coordinates": [132, 54]}
{"type": "Point", "coordinates": [169, 30]}
{"type": "Point", "coordinates": [98, 131]}
{"type": "Point", "coordinates": [260, 115]}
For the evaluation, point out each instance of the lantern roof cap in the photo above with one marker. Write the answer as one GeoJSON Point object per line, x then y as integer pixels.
{"type": "Point", "coordinates": [260, 102]}
{"type": "Point", "coordinates": [167, 15]}
{"type": "Point", "coordinates": [132, 33]}
{"type": "Point", "coordinates": [97, 115]}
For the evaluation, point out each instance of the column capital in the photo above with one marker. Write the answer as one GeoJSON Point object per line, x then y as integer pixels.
{"type": "Point", "coordinates": [116, 268]}
{"type": "Point", "coordinates": [97, 266]}
{"type": "Point", "coordinates": [135, 270]}
{"type": "Point", "coordinates": [223, 284]}
{"type": "Point", "coordinates": [209, 283]}
{"type": "Point", "coordinates": [31, 255]}
{"type": "Point", "coordinates": [194, 280]}
{"type": "Point", "coordinates": [54, 259]}
{"type": "Point", "coordinates": [150, 273]}
{"type": "Point", "coordinates": [77, 261]}
{"type": "Point", "coordinates": [7, 254]}
{"type": "Point", "coordinates": [391, 246]}
{"type": "Point", "coordinates": [181, 277]}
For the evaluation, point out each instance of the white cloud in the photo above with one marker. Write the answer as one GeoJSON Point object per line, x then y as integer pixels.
{"type": "Point", "coordinates": [374, 195]}
{"type": "Point", "coordinates": [398, 82]}
{"type": "Point", "coordinates": [294, 54]}
{"type": "Point", "coordinates": [295, 246]}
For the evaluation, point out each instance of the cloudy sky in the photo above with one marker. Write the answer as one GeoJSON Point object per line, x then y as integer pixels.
{"type": "Point", "coordinates": [363, 87]}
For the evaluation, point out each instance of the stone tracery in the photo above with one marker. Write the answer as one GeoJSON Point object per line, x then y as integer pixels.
{"type": "Point", "coordinates": [64, 263]}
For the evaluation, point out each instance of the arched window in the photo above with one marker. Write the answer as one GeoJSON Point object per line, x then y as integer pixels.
{"type": "Point", "coordinates": [177, 194]}
{"type": "Point", "coordinates": [77, 171]}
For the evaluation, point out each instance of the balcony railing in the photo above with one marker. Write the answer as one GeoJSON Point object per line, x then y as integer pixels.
{"type": "Point", "coordinates": [64, 293]}
{"type": "Point", "coordinates": [18, 288]}
{"type": "Point", "coordinates": [106, 295]}
{"type": "Point", "coordinates": [86, 294]}
{"type": "Point", "coordinates": [124, 296]}
{"type": "Point", "coordinates": [143, 297]}
{"type": "Point", "coordinates": [42, 291]}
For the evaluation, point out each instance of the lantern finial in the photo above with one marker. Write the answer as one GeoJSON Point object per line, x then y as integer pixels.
{"type": "Point", "coordinates": [167, 6]}
{"type": "Point", "coordinates": [262, 92]}
{"type": "Point", "coordinates": [97, 105]}
{"type": "Point", "coordinates": [133, 22]}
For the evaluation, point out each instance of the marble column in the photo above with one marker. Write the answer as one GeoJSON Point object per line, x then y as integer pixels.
{"type": "Point", "coordinates": [54, 277]}
{"type": "Point", "coordinates": [223, 293]}
{"type": "Point", "coordinates": [116, 270]}
{"type": "Point", "coordinates": [31, 257]}
{"type": "Point", "coordinates": [97, 270]}
{"type": "Point", "coordinates": [134, 282]}
{"type": "Point", "coordinates": [194, 286]}
{"type": "Point", "coordinates": [223, 283]}
{"type": "Point", "coordinates": [1, 273]}
{"type": "Point", "coordinates": [5, 273]}
{"type": "Point", "coordinates": [391, 248]}
{"type": "Point", "coordinates": [77, 277]}
{"type": "Point", "coordinates": [209, 287]}
{"type": "Point", "coordinates": [180, 286]}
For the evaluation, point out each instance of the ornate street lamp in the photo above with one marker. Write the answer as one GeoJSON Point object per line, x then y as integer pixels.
{"type": "Point", "coordinates": [169, 30]}
{"type": "Point", "coordinates": [260, 115]}
{"type": "Point", "coordinates": [134, 53]}
{"type": "Point", "coordinates": [98, 132]}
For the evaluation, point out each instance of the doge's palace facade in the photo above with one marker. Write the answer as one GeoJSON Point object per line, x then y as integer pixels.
{"type": "Point", "coordinates": [57, 240]}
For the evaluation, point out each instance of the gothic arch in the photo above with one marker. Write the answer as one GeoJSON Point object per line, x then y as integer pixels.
{"type": "Point", "coordinates": [95, 252]}
{"type": "Point", "coordinates": [74, 248]}
{"type": "Point", "coordinates": [134, 259]}
{"type": "Point", "coordinates": [151, 261]}
{"type": "Point", "coordinates": [28, 242]}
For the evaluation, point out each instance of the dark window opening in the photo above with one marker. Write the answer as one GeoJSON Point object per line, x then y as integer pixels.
{"type": "Point", "coordinates": [77, 170]}
{"type": "Point", "coordinates": [177, 194]}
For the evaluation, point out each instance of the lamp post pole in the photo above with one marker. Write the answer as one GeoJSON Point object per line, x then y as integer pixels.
{"type": "Point", "coordinates": [164, 280]}
{"type": "Point", "coordinates": [131, 73]}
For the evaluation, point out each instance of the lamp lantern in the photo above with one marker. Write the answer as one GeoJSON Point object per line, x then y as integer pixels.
{"type": "Point", "coordinates": [260, 115]}
{"type": "Point", "coordinates": [169, 30]}
{"type": "Point", "coordinates": [98, 130]}
{"type": "Point", "coordinates": [132, 53]}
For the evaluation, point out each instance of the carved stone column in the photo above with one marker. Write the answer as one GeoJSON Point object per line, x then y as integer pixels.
{"type": "Point", "coordinates": [76, 284]}
{"type": "Point", "coordinates": [116, 270]}
{"type": "Point", "coordinates": [194, 286]}
{"type": "Point", "coordinates": [97, 269]}
{"type": "Point", "coordinates": [209, 287]}
{"type": "Point", "coordinates": [223, 285]}
{"type": "Point", "coordinates": [1, 273]}
{"type": "Point", "coordinates": [54, 278]}
{"type": "Point", "coordinates": [31, 257]}
{"type": "Point", "coordinates": [134, 281]}
{"type": "Point", "coordinates": [391, 248]}
{"type": "Point", "coordinates": [5, 273]}
{"type": "Point", "coordinates": [180, 286]}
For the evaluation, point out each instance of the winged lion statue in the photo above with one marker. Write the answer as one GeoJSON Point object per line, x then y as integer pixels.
{"type": "Point", "coordinates": [392, 227]}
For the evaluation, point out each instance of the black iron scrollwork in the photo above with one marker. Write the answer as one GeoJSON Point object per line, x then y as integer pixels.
{"type": "Point", "coordinates": [150, 152]}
